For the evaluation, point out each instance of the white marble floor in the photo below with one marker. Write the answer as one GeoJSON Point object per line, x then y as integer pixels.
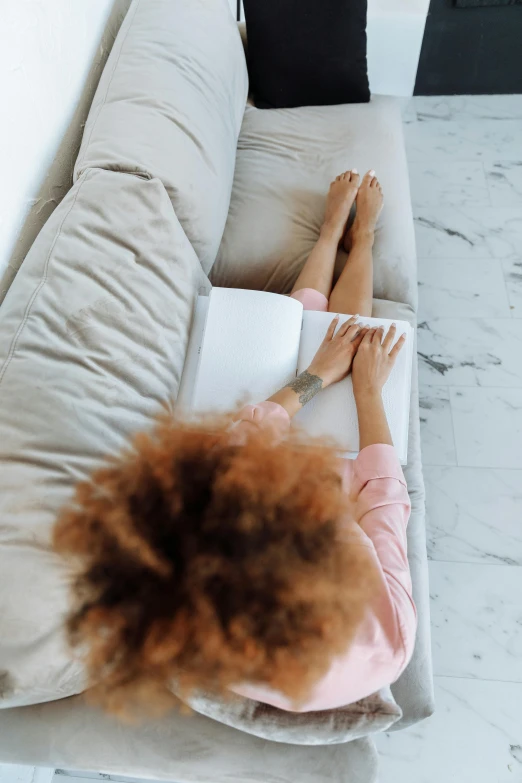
{"type": "Point", "coordinates": [465, 157]}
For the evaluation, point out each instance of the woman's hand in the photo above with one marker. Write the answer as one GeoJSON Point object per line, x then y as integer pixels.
{"type": "Point", "coordinates": [333, 360]}
{"type": "Point", "coordinates": [374, 361]}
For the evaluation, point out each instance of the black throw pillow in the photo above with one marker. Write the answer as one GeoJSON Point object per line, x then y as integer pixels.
{"type": "Point", "coordinates": [307, 52]}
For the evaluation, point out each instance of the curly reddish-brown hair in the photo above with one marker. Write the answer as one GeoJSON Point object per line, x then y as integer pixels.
{"type": "Point", "coordinates": [203, 564]}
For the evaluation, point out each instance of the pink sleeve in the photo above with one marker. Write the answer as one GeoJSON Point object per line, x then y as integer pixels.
{"type": "Point", "coordinates": [382, 509]}
{"type": "Point", "coordinates": [268, 415]}
{"type": "Point", "coordinates": [311, 299]}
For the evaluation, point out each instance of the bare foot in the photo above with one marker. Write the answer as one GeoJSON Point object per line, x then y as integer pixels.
{"type": "Point", "coordinates": [369, 205]}
{"type": "Point", "coordinates": [339, 202]}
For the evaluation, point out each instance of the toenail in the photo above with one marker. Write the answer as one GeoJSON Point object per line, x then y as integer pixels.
{"type": "Point", "coordinates": [354, 171]}
{"type": "Point", "coordinates": [372, 173]}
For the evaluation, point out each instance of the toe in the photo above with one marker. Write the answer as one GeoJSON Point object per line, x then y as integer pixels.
{"type": "Point", "coordinates": [368, 177]}
{"type": "Point", "coordinates": [355, 178]}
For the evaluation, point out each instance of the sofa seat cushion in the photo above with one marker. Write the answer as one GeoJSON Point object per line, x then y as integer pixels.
{"type": "Point", "coordinates": [70, 734]}
{"type": "Point", "coordinates": [169, 105]}
{"type": "Point", "coordinates": [286, 160]}
{"type": "Point", "coordinates": [93, 334]}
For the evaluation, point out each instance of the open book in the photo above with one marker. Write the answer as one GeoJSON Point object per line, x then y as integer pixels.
{"type": "Point", "coordinates": [246, 345]}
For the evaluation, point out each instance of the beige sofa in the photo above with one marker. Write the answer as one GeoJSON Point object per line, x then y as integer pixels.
{"type": "Point", "coordinates": [176, 187]}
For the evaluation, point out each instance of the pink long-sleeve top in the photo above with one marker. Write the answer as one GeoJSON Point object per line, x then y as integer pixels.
{"type": "Point", "coordinates": [384, 642]}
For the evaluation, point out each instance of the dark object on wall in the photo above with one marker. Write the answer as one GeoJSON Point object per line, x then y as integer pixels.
{"type": "Point", "coordinates": [482, 3]}
{"type": "Point", "coordinates": [307, 52]}
{"type": "Point", "coordinates": [238, 10]}
{"type": "Point", "coordinates": [471, 51]}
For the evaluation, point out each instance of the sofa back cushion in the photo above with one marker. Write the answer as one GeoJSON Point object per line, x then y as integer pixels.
{"type": "Point", "coordinates": [170, 104]}
{"type": "Point", "coordinates": [93, 334]}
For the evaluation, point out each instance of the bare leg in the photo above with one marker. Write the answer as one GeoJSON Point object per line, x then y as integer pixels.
{"type": "Point", "coordinates": [353, 292]}
{"type": "Point", "coordinates": [318, 270]}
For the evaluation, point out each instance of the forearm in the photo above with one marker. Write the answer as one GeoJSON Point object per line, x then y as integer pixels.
{"type": "Point", "coordinates": [373, 425]}
{"type": "Point", "coordinates": [298, 392]}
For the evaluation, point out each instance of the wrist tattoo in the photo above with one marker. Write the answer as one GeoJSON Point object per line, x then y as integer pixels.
{"type": "Point", "coordinates": [306, 386]}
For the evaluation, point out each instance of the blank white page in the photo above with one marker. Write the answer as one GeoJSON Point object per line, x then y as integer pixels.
{"type": "Point", "coordinates": [332, 412]}
{"type": "Point", "coordinates": [249, 349]}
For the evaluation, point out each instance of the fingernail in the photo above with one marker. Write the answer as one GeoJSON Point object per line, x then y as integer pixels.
{"type": "Point", "coordinates": [372, 173]}
{"type": "Point", "coordinates": [394, 324]}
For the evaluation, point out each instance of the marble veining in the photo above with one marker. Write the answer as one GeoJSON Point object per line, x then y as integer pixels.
{"type": "Point", "coordinates": [513, 276]}
{"type": "Point", "coordinates": [504, 181]}
{"type": "Point", "coordinates": [462, 140]}
{"type": "Point", "coordinates": [476, 616]}
{"type": "Point", "coordinates": [467, 107]}
{"type": "Point", "coordinates": [457, 288]}
{"type": "Point", "coordinates": [408, 110]}
{"type": "Point", "coordinates": [487, 424]}
{"type": "Point", "coordinates": [466, 231]}
{"type": "Point", "coordinates": [474, 515]}
{"type": "Point", "coordinates": [438, 442]}
{"type": "Point", "coordinates": [448, 183]}
{"type": "Point", "coordinates": [474, 737]}
{"type": "Point", "coordinates": [471, 351]}
{"type": "Point", "coordinates": [465, 159]}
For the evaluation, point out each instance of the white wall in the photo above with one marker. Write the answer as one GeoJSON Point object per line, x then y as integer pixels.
{"type": "Point", "coordinates": [51, 56]}
{"type": "Point", "coordinates": [395, 31]}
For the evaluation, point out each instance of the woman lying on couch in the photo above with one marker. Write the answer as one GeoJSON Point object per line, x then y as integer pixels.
{"type": "Point", "coordinates": [233, 556]}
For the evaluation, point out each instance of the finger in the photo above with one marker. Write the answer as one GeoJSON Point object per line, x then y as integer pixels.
{"type": "Point", "coordinates": [351, 333]}
{"type": "Point", "coordinates": [397, 347]}
{"type": "Point", "coordinates": [358, 339]}
{"type": "Point", "coordinates": [378, 335]}
{"type": "Point", "coordinates": [390, 336]}
{"type": "Point", "coordinates": [347, 325]}
{"type": "Point", "coordinates": [331, 329]}
{"type": "Point", "coordinates": [368, 336]}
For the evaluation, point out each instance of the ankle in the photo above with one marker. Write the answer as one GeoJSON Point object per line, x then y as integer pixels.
{"type": "Point", "coordinates": [330, 233]}
{"type": "Point", "coordinates": [362, 236]}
